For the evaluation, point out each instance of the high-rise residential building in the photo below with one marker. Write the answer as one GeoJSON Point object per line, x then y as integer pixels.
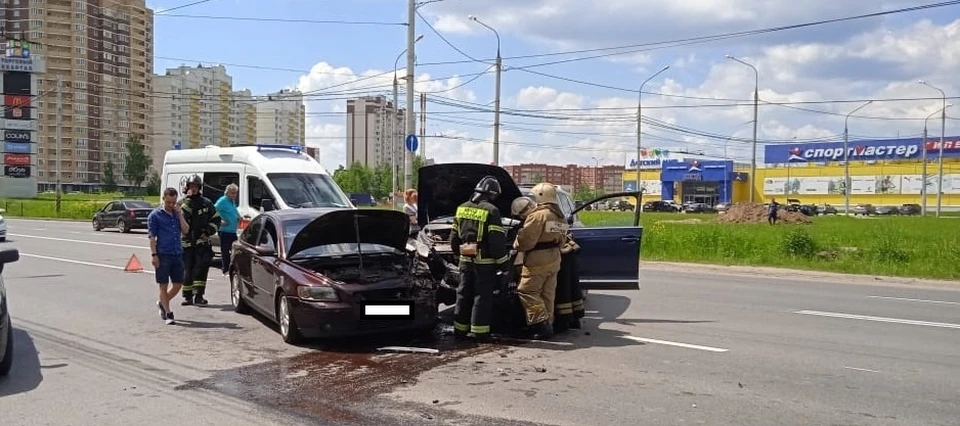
{"type": "Point", "coordinates": [369, 129]}
{"type": "Point", "coordinates": [103, 52]}
{"type": "Point", "coordinates": [196, 107]}
{"type": "Point", "coordinates": [281, 118]}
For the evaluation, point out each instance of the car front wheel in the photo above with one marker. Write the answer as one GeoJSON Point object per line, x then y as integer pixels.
{"type": "Point", "coordinates": [288, 326]}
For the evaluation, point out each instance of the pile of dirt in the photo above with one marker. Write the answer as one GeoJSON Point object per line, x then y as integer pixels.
{"type": "Point", "coordinates": [757, 213]}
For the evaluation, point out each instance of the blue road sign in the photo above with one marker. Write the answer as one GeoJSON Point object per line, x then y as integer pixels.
{"type": "Point", "coordinates": [412, 143]}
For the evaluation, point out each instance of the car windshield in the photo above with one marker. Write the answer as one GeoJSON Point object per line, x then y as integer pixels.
{"type": "Point", "coordinates": [293, 227]}
{"type": "Point", "coordinates": [139, 205]}
{"type": "Point", "coordinates": [306, 190]}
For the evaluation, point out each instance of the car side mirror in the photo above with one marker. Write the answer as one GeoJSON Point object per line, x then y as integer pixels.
{"type": "Point", "coordinates": [268, 205]}
{"type": "Point", "coordinates": [8, 255]}
{"type": "Point", "coordinates": [570, 220]}
{"type": "Point", "coordinates": [266, 251]}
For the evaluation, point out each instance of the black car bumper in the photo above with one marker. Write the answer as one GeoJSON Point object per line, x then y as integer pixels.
{"type": "Point", "coordinates": [324, 320]}
{"type": "Point", "coordinates": [137, 223]}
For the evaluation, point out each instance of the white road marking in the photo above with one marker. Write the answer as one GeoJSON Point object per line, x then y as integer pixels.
{"type": "Point", "coordinates": [862, 369]}
{"type": "Point", "coordinates": [942, 302]}
{"type": "Point", "coordinates": [78, 262]}
{"type": "Point", "coordinates": [677, 344]}
{"type": "Point", "coordinates": [879, 319]}
{"type": "Point", "coordinates": [67, 240]}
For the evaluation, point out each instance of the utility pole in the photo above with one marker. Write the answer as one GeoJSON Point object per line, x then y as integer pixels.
{"type": "Point", "coordinates": [756, 107]}
{"type": "Point", "coordinates": [59, 120]}
{"type": "Point", "coordinates": [423, 125]}
{"type": "Point", "coordinates": [394, 134]}
{"type": "Point", "coordinates": [943, 130]}
{"type": "Point", "coordinates": [411, 120]}
{"type": "Point", "coordinates": [639, 121]}
{"type": "Point", "coordinates": [847, 184]}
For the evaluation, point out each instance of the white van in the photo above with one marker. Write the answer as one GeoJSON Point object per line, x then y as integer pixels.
{"type": "Point", "coordinates": [269, 176]}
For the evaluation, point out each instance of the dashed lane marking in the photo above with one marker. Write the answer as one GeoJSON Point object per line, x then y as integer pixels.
{"type": "Point", "coordinates": [879, 319]}
{"type": "Point", "coordinates": [677, 344]}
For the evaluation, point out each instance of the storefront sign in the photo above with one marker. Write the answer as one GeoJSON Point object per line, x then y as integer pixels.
{"type": "Point", "coordinates": [16, 171]}
{"type": "Point", "coordinates": [16, 159]}
{"type": "Point", "coordinates": [20, 124]}
{"type": "Point", "coordinates": [16, 136]}
{"type": "Point", "coordinates": [873, 150]}
{"type": "Point", "coordinates": [16, 107]}
{"type": "Point", "coordinates": [650, 159]}
{"type": "Point", "coordinates": [17, 147]}
{"type": "Point", "coordinates": [646, 164]}
{"type": "Point", "coordinates": [18, 101]}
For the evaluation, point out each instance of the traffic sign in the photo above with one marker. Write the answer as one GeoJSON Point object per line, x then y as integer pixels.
{"type": "Point", "coordinates": [412, 143]}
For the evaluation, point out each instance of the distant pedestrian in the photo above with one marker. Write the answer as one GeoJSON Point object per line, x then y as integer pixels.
{"type": "Point", "coordinates": [772, 210]}
{"type": "Point", "coordinates": [165, 226]}
{"type": "Point", "coordinates": [410, 198]}
{"type": "Point", "coordinates": [229, 217]}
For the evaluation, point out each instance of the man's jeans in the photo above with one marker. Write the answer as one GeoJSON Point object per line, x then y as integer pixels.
{"type": "Point", "coordinates": [226, 242]}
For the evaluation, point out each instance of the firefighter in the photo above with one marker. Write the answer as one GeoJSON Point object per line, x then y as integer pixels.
{"type": "Point", "coordinates": [543, 233]}
{"type": "Point", "coordinates": [568, 306]}
{"type": "Point", "coordinates": [479, 240]}
{"type": "Point", "coordinates": [203, 221]}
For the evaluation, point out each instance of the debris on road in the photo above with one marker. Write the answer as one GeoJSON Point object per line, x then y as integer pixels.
{"type": "Point", "coordinates": [540, 369]}
{"type": "Point", "coordinates": [757, 213]}
{"type": "Point", "coordinates": [409, 349]}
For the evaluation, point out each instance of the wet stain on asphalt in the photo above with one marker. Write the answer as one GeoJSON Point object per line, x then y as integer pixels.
{"type": "Point", "coordinates": [336, 380]}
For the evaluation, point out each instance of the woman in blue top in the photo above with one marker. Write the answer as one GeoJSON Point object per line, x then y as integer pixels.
{"type": "Point", "coordinates": [227, 207]}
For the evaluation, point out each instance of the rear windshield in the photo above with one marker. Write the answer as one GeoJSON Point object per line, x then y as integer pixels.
{"type": "Point", "coordinates": [138, 205]}
{"type": "Point", "coordinates": [307, 190]}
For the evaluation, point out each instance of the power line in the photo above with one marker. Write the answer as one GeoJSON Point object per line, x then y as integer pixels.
{"type": "Point", "coordinates": [162, 12]}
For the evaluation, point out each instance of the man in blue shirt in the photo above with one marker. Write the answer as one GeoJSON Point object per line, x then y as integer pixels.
{"type": "Point", "coordinates": [229, 216]}
{"type": "Point", "coordinates": [165, 225]}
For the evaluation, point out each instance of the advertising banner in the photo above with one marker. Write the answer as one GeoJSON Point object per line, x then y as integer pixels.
{"type": "Point", "coordinates": [650, 159]}
{"type": "Point", "coordinates": [17, 147]}
{"type": "Point", "coordinates": [17, 107]}
{"type": "Point", "coordinates": [870, 150]}
{"type": "Point", "coordinates": [30, 125]}
{"type": "Point", "coordinates": [16, 171]}
{"type": "Point", "coordinates": [16, 135]}
{"type": "Point", "coordinates": [16, 159]}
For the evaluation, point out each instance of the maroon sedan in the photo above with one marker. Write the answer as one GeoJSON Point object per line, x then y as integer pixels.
{"type": "Point", "coordinates": [323, 272]}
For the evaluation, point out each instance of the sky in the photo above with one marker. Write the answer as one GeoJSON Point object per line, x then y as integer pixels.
{"type": "Point", "coordinates": [559, 107]}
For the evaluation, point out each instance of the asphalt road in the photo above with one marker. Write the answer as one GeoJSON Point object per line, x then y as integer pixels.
{"type": "Point", "coordinates": [689, 348]}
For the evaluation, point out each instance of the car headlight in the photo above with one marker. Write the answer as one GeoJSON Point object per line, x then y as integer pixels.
{"type": "Point", "coordinates": [317, 294]}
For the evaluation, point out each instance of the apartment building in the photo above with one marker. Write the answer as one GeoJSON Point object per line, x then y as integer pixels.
{"type": "Point", "coordinates": [369, 127]}
{"type": "Point", "coordinates": [281, 118]}
{"type": "Point", "coordinates": [607, 178]}
{"type": "Point", "coordinates": [197, 106]}
{"type": "Point", "coordinates": [103, 52]}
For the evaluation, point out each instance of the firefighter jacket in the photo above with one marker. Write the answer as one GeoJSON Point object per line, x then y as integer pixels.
{"type": "Point", "coordinates": [203, 219]}
{"type": "Point", "coordinates": [478, 236]}
{"type": "Point", "coordinates": [540, 239]}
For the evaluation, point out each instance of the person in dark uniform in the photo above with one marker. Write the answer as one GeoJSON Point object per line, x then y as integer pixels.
{"type": "Point", "coordinates": [203, 221]}
{"type": "Point", "coordinates": [569, 309]}
{"type": "Point", "coordinates": [479, 240]}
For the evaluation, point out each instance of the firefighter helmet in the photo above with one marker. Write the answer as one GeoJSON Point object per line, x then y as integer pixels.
{"type": "Point", "coordinates": [489, 186]}
{"type": "Point", "coordinates": [193, 180]}
{"type": "Point", "coordinates": [545, 193]}
{"type": "Point", "coordinates": [521, 206]}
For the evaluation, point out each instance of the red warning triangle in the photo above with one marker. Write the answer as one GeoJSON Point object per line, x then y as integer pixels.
{"type": "Point", "coordinates": [133, 265]}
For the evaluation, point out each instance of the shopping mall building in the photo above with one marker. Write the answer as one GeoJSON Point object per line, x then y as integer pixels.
{"type": "Point", "coordinates": [882, 172]}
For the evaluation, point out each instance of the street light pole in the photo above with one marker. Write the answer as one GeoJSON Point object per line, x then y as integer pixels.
{"type": "Point", "coordinates": [756, 110]}
{"type": "Point", "coordinates": [943, 130]}
{"type": "Point", "coordinates": [847, 186]}
{"type": "Point", "coordinates": [640, 120]}
{"type": "Point", "coordinates": [496, 101]}
{"type": "Point", "coordinates": [391, 140]}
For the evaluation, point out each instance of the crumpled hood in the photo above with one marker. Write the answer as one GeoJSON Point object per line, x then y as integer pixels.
{"type": "Point", "coordinates": [443, 187]}
{"type": "Point", "coordinates": [384, 227]}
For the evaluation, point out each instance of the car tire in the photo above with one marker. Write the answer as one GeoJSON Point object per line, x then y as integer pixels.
{"type": "Point", "coordinates": [122, 226]}
{"type": "Point", "coordinates": [288, 326]}
{"type": "Point", "coordinates": [96, 225]}
{"type": "Point", "coordinates": [236, 295]}
{"type": "Point", "coordinates": [7, 362]}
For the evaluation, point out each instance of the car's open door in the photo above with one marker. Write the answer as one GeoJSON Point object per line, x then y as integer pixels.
{"type": "Point", "coordinates": [610, 255]}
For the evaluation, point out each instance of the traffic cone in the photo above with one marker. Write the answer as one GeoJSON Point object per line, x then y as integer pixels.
{"type": "Point", "coordinates": [133, 265]}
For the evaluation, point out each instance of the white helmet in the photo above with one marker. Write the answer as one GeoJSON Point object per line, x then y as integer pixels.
{"type": "Point", "coordinates": [545, 193]}
{"type": "Point", "coordinates": [521, 206]}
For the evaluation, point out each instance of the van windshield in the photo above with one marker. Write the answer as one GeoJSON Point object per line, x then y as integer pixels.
{"type": "Point", "coordinates": [306, 190]}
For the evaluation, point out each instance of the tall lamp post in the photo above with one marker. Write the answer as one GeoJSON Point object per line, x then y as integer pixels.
{"type": "Point", "coordinates": [847, 185]}
{"type": "Point", "coordinates": [392, 144]}
{"type": "Point", "coordinates": [640, 121]}
{"type": "Point", "coordinates": [943, 130]}
{"type": "Point", "coordinates": [923, 175]}
{"type": "Point", "coordinates": [496, 101]}
{"type": "Point", "coordinates": [756, 107]}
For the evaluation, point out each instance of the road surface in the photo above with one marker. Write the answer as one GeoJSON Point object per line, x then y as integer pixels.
{"type": "Point", "coordinates": [689, 348]}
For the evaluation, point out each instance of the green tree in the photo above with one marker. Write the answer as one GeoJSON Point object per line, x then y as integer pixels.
{"type": "Point", "coordinates": [109, 179]}
{"type": "Point", "coordinates": [138, 162]}
{"type": "Point", "coordinates": [382, 181]}
{"type": "Point", "coordinates": [418, 162]}
{"type": "Point", "coordinates": [153, 184]}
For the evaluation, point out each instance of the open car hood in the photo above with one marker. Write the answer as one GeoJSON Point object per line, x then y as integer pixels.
{"type": "Point", "coordinates": [443, 187]}
{"type": "Point", "coordinates": [384, 227]}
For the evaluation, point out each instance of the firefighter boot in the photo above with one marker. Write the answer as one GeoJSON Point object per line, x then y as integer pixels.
{"type": "Point", "coordinates": [542, 331]}
{"type": "Point", "coordinates": [198, 299]}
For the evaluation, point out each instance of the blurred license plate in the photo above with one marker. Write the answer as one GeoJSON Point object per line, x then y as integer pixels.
{"type": "Point", "coordinates": [399, 309]}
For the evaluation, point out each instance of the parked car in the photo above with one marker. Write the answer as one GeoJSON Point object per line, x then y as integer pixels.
{"type": "Point", "coordinates": [864, 210]}
{"type": "Point", "coordinates": [698, 208]}
{"type": "Point", "coordinates": [609, 257]}
{"type": "Point", "coordinates": [324, 272]}
{"type": "Point", "coordinates": [7, 255]}
{"type": "Point", "coordinates": [910, 209]}
{"type": "Point", "coordinates": [3, 226]}
{"type": "Point", "coordinates": [661, 206]}
{"type": "Point", "coordinates": [722, 207]}
{"type": "Point", "coordinates": [828, 209]}
{"type": "Point", "coordinates": [123, 215]}
{"type": "Point", "coordinates": [887, 211]}
{"type": "Point", "coordinates": [363, 200]}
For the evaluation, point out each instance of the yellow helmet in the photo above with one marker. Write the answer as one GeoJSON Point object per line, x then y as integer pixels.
{"type": "Point", "coordinates": [545, 193]}
{"type": "Point", "coordinates": [521, 206]}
